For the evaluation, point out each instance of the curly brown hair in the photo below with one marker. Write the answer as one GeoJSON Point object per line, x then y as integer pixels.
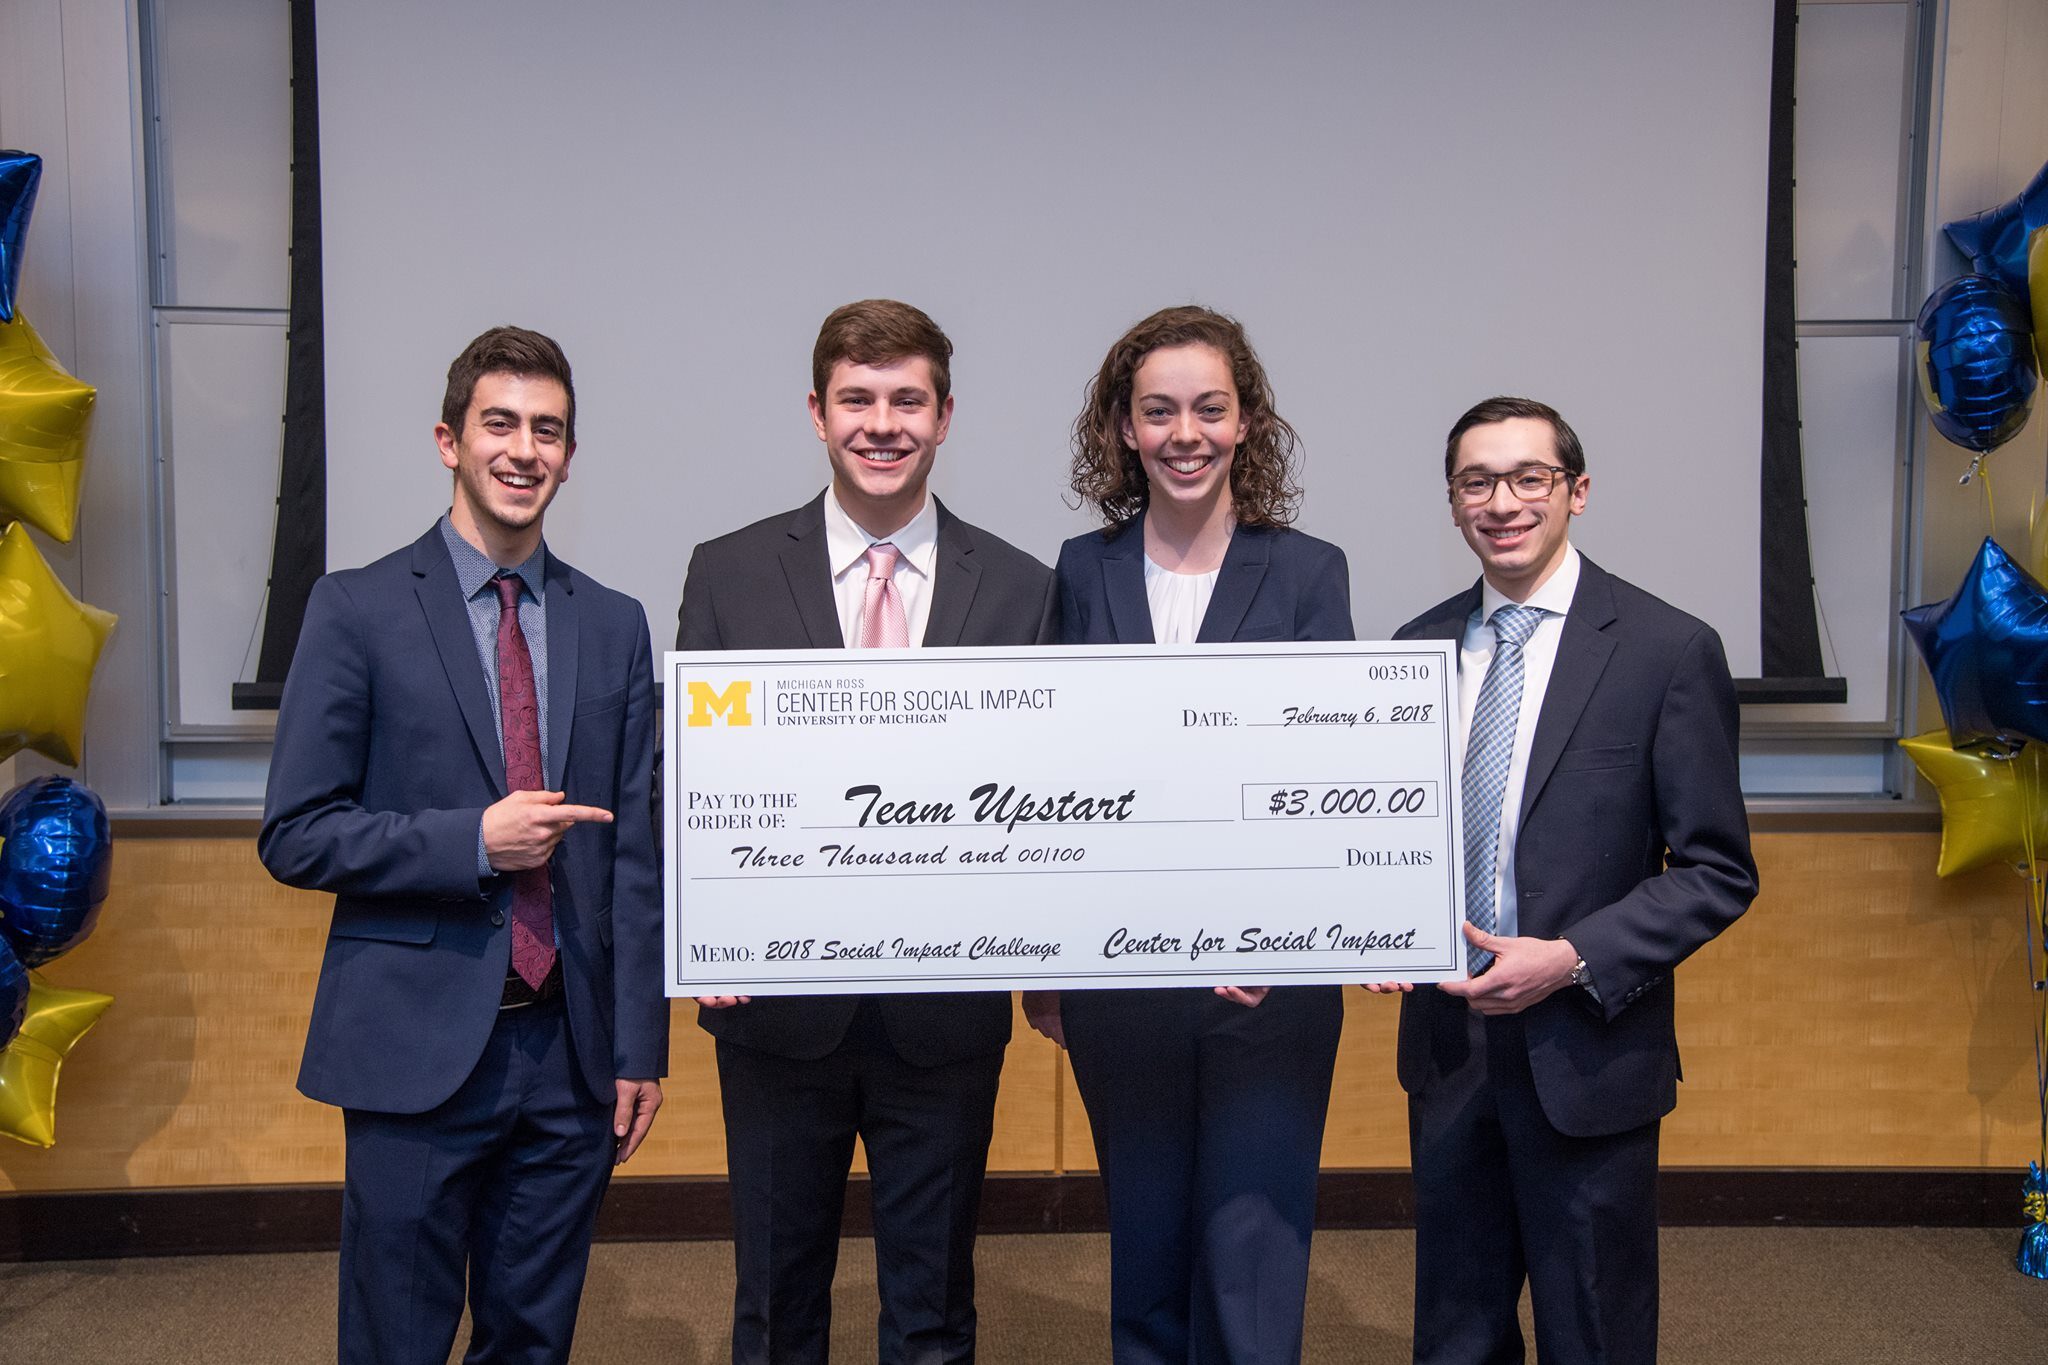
{"type": "Point", "coordinates": [1106, 473]}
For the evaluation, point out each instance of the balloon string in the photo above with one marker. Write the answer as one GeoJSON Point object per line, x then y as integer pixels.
{"type": "Point", "coordinates": [2026, 775]}
{"type": "Point", "coordinates": [1990, 503]}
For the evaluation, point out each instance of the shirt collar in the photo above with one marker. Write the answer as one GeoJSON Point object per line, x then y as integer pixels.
{"type": "Point", "coordinates": [1554, 598]}
{"type": "Point", "coordinates": [847, 541]}
{"type": "Point", "coordinates": [474, 569]}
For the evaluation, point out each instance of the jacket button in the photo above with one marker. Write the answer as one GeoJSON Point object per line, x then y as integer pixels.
{"type": "Point", "coordinates": [497, 919]}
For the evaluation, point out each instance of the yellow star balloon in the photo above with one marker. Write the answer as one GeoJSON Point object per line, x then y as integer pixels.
{"type": "Point", "coordinates": [57, 1019]}
{"type": "Point", "coordinates": [49, 644]}
{"type": "Point", "coordinates": [2037, 291]}
{"type": "Point", "coordinates": [1986, 803]}
{"type": "Point", "coordinates": [2037, 537]}
{"type": "Point", "coordinates": [43, 416]}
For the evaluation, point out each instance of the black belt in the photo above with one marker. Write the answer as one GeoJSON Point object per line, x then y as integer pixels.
{"type": "Point", "coordinates": [518, 993]}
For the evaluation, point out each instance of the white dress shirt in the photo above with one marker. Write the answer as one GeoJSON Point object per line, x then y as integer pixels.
{"type": "Point", "coordinates": [917, 564]}
{"type": "Point", "coordinates": [1178, 601]}
{"type": "Point", "coordinates": [1539, 656]}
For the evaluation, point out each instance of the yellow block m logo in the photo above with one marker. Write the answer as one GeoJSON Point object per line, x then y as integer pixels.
{"type": "Point", "coordinates": [706, 705]}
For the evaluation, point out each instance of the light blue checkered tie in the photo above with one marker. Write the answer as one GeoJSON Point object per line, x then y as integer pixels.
{"type": "Point", "coordinates": [1489, 750]}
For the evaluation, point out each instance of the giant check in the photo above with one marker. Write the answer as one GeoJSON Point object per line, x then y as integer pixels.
{"type": "Point", "coordinates": [955, 819]}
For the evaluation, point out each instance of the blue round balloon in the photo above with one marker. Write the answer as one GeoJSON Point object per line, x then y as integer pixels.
{"type": "Point", "coordinates": [13, 994]}
{"type": "Point", "coordinates": [55, 865]}
{"type": "Point", "coordinates": [19, 174]}
{"type": "Point", "coordinates": [1976, 361]}
{"type": "Point", "coordinates": [1987, 650]}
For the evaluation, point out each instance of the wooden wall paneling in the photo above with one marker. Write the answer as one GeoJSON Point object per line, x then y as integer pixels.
{"type": "Point", "coordinates": [1864, 1014]}
{"type": "Point", "coordinates": [1368, 1124]}
{"type": "Point", "coordinates": [187, 1078]}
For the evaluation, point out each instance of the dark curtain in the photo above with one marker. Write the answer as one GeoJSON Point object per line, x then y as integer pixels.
{"type": "Point", "coordinates": [1791, 628]}
{"type": "Point", "coordinates": [298, 555]}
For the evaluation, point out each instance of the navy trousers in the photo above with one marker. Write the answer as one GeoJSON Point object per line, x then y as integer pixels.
{"type": "Point", "coordinates": [1501, 1197]}
{"type": "Point", "coordinates": [1208, 1124]}
{"type": "Point", "coordinates": [499, 1185]}
{"type": "Point", "coordinates": [790, 1126]}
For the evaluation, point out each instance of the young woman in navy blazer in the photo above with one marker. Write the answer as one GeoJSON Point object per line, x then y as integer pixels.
{"type": "Point", "coordinates": [1207, 1107]}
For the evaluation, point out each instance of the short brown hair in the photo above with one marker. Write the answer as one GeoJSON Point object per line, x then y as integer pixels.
{"type": "Point", "coordinates": [1570, 454]}
{"type": "Point", "coordinates": [880, 332]}
{"type": "Point", "coordinates": [1106, 473]}
{"type": "Point", "coordinates": [506, 350]}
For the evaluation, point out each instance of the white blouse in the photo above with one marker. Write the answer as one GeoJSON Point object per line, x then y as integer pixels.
{"type": "Point", "coordinates": [1178, 602]}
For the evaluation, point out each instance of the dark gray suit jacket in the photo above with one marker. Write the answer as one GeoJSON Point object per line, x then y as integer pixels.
{"type": "Point", "coordinates": [1275, 583]}
{"type": "Point", "coordinates": [769, 586]}
{"type": "Point", "coordinates": [1633, 844]}
{"type": "Point", "coordinates": [387, 753]}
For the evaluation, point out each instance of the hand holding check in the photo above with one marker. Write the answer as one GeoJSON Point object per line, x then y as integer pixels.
{"type": "Point", "coordinates": [1523, 971]}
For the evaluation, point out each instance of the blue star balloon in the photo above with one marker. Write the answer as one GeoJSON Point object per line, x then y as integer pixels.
{"type": "Point", "coordinates": [1975, 359]}
{"type": "Point", "coordinates": [1987, 648]}
{"type": "Point", "coordinates": [1996, 240]}
{"type": "Point", "coordinates": [13, 994]}
{"type": "Point", "coordinates": [19, 173]}
{"type": "Point", "coordinates": [55, 865]}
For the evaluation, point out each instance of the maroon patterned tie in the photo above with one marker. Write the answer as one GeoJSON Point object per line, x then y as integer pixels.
{"type": "Point", "coordinates": [533, 897]}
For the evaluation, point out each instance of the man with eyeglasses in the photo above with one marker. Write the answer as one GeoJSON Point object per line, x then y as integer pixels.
{"type": "Point", "coordinates": [1604, 841]}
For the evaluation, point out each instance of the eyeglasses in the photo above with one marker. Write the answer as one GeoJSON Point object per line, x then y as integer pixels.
{"type": "Point", "coordinates": [1530, 483]}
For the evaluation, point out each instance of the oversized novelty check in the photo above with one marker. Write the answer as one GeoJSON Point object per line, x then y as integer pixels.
{"type": "Point", "coordinates": [1071, 817]}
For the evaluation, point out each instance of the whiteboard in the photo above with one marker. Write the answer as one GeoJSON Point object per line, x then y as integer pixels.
{"type": "Point", "coordinates": [1410, 207]}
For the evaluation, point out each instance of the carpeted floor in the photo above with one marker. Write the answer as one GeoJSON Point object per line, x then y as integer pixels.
{"type": "Point", "coordinates": [1860, 1296]}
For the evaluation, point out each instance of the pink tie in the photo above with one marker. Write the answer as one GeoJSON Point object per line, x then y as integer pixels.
{"type": "Point", "coordinates": [881, 612]}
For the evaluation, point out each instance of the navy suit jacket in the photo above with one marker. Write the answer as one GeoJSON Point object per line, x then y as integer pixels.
{"type": "Point", "coordinates": [1275, 583]}
{"type": "Point", "coordinates": [1633, 844]}
{"type": "Point", "coordinates": [387, 753]}
{"type": "Point", "coordinates": [769, 586]}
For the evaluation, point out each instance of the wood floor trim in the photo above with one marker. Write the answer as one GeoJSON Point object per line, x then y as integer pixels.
{"type": "Point", "coordinates": [218, 1220]}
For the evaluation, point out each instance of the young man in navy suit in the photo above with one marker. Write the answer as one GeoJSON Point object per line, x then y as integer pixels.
{"type": "Point", "coordinates": [1605, 841]}
{"type": "Point", "coordinates": [463, 757]}
{"type": "Point", "coordinates": [873, 561]}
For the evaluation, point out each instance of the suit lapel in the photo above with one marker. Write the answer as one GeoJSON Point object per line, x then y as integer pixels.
{"type": "Point", "coordinates": [957, 580]}
{"type": "Point", "coordinates": [448, 622]}
{"type": "Point", "coordinates": [1449, 623]}
{"type": "Point", "coordinates": [563, 626]}
{"type": "Point", "coordinates": [1237, 582]}
{"type": "Point", "coordinates": [807, 566]}
{"type": "Point", "coordinates": [1123, 584]}
{"type": "Point", "coordinates": [1582, 653]}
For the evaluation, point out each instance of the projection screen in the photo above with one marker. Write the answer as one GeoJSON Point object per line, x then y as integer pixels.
{"type": "Point", "coordinates": [1411, 207]}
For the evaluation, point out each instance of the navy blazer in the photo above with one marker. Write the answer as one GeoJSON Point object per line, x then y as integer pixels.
{"type": "Point", "coordinates": [769, 586]}
{"type": "Point", "coordinates": [1633, 844]}
{"type": "Point", "coordinates": [1275, 583]}
{"type": "Point", "coordinates": [387, 753]}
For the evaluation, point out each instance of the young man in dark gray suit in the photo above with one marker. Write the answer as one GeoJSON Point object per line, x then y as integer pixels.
{"type": "Point", "coordinates": [462, 758]}
{"type": "Point", "coordinates": [1605, 841]}
{"type": "Point", "coordinates": [873, 561]}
